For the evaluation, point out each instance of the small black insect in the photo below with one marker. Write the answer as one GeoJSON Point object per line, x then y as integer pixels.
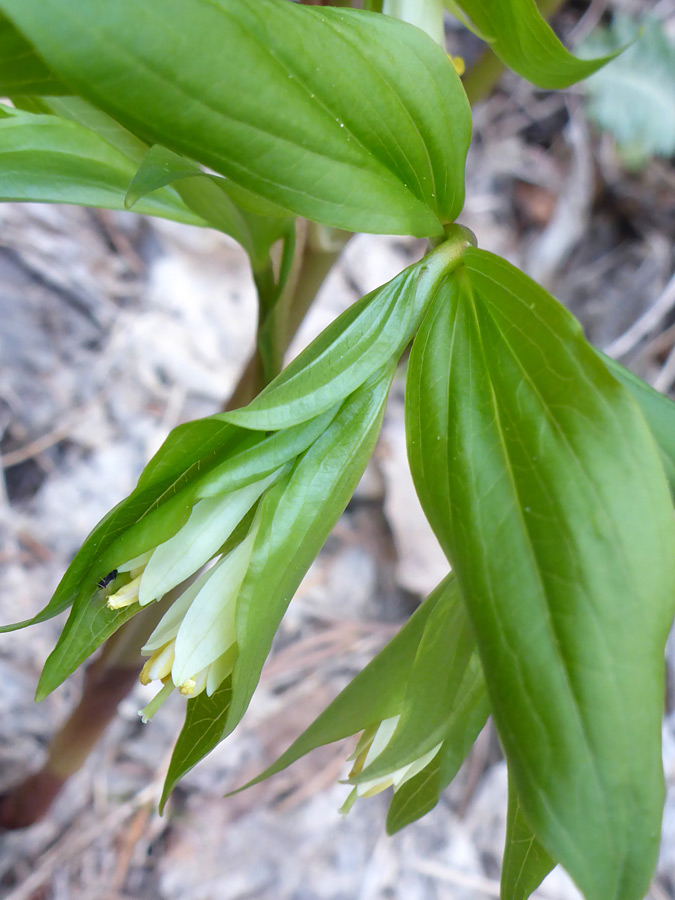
{"type": "Point", "coordinates": [104, 582]}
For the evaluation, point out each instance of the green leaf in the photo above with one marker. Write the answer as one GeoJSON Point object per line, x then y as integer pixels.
{"type": "Point", "coordinates": [433, 686]}
{"type": "Point", "coordinates": [658, 410]}
{"type": "Point", "coordinates": [542, 481]}
{"type": "Point", "coordinates": [358, 343]}
{"type": "Point", "coordinates": [417, 797]}
{"type": "Point", "coordinates": [296, 516]}
{"type": "Point", "coordinates": [21, 69]}
{"type": "Point", "coordinates": [260, 457]}
{"type": "Point", "coordinates": [376, 693]}
{"type": "Point", "coordinates": [526, 863]}
{"type": "Point", "coordinates": [158, 168]}
{"type": "Point", "coordinates": [525, 42]}
{"type": "Point", "coordinates": [207, 196]}
{"type": "Point", "coordinates": [357, 121]}
{"type": "Point", "coordinates": [134, 524]}
{"type": "Point", "coordinates": [78, 110]}
{"type": "Point", "coordinates": [202, 731]}
{"type": "Point", "coordinates": [153, 513]}
{"type": "Point", "coordinates": [633, 98]}
{"type": "Point", "coordinates": [46, 159]}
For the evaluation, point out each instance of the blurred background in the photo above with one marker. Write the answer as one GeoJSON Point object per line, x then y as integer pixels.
{"type": "Point", "coordinates": [114, 329]}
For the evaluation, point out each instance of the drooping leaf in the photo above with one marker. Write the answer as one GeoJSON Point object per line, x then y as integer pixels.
{"type": "Point", "coordinates": [542, 481]}
{"type": "Point", "coordinates": [204, 724]}
{"type": "Point", "coordinates": [296, 516]}
{"type": "Point", "coordinates": [526, 863]}
{"type": "Point", "coordinates": [658, 410]}
{"type": "Point", "coordinates": [434, 683]}
{"type": "Point", "coordinates": [359, 121]}
{"type": "Point", "coordinates": [46, 159]}
{"type": "Point", "coordinates": [185, 456]}
{"type": "Point", "coordinates": [376, 693]}
{"type": "Point", "coordinates": [525, 42]}
{"type": "Point", "coordinates": [296, 520]}
{"type": "Point", "coordinates": [365, 337]}
{"type": "Point", "coordinates": [21, 69]}
{"type": "Point", "coordinates": [417, 797]}
{"type": "Point", "coordinates": [633, 97]}
{"type": "Point", "coordinates": [178, 474]}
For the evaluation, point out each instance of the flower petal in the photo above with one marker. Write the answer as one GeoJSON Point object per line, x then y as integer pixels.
{"type": "Point", "coordinates": [208, 629]}
{"type": "Point", "coordinates": [211, 523]}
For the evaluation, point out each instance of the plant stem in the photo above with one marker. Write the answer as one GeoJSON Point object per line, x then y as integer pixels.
{"type": "Point", "coordinates": [316, 251]}
{"type": "Point", "coordinates": [107, 681]}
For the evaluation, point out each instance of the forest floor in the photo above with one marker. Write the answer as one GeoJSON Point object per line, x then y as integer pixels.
{"type": "Point", "coordinates": [114, 329]}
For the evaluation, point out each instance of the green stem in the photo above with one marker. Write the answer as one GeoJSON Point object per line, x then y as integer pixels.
{"type": "Point", "coordinates": [316, 252]}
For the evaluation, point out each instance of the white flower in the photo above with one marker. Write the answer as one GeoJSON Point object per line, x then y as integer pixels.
{"type": "Point", "coordinates": [194, 646]}
{"type": "Point", "coordinates": [211, 523]}
{"type": "Point", "coordinates": [371, 744]}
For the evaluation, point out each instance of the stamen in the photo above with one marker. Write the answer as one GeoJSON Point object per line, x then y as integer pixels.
{"type": "Point", "coordinates": [193, 686]}
{"type": "Point", "coordinates": [126, 596]}
{"type": "Point", "coordinates": [158, 667]}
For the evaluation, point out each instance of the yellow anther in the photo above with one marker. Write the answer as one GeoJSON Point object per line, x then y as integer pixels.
{"type": "Point", "coordinates": [126, 596]}
{"type": "Point", "coordinates": [187, 688]}
{"type": "Point", "coordinates": [158, 667]}
{"type": "Point", "coordinates": [458, 63]}
{"type": "Point", "coordinates": [144, 677]}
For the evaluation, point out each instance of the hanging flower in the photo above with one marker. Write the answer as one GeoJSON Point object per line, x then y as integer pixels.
{"type": "Point", "coordinates": [193, 648]}
{"type": "Point", "coordinates": [371, 744]}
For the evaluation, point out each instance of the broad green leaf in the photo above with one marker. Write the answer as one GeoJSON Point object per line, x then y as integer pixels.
{"type": "Point", "coordinates": [633, 98]}
{"type": "Point", "coordinates": [46, 159]}
{"type": "Point", "coordinates": [526, 863]}
{"type": "Point", "coordinates": [417, 797]}
{"type": "Point", "coordinates": [207, 196]}
{"type": "Point", "coordinates": [296, 516]}
{"type": "Point", "coordinates": [542, 481]}
{"type": "Point", "coordinates": [376, 693]}
{"type": "Point", "coordinates": [525, 42]}
{"type": "Point", "coordinates": [21, 69]}
{"type": "Point", "coordinates": [365, 337]}
{"type": "Point", "coordinates": [358, 121]}
{"type": "Point", "coordinates": [658, 410]}
{"type": "Point", "coordinates": [434, 683]}
{"type": "Point", "coordinates": [202, 731]}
